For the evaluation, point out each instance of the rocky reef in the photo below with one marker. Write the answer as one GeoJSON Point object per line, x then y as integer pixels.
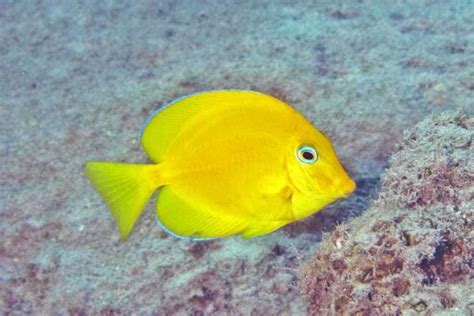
{"type": "Point", "coordinates": [413, 249]}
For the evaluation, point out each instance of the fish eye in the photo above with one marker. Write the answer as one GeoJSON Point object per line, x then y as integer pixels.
{"type": "Point", "coordinates": [307, 154]}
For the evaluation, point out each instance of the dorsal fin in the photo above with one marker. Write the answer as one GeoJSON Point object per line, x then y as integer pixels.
{"type": "Point", "coordinates": [163, 126]}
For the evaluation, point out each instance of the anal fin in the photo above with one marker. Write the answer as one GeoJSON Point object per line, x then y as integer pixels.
{"type": "Point", "coordinates": [261, 229]}
{"type": "Point", "coordinates": [189, 220]}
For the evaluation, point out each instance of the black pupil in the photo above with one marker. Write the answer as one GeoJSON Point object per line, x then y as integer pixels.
{"type": "Point", "coordinates": [308, 155]}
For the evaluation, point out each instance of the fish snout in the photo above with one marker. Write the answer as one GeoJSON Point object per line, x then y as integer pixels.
{"type": "Point", "coordinates": [346, 187]}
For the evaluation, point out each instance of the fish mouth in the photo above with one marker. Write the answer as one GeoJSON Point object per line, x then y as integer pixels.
{"type": "Point", "coordinates": [346, 188]}
{"type": "Point", "coordinates": [342, 190]}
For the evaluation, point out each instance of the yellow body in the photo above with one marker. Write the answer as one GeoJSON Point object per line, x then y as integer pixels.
{"type": "Point", "coordinates": [226, 163]}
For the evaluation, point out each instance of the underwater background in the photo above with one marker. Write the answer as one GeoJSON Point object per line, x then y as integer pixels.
{"type": "Point", "coordinates": [390, 82]}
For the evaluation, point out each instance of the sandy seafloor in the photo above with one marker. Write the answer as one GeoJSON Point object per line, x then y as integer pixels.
{"type": "Point", "coordinates": [78, 78]}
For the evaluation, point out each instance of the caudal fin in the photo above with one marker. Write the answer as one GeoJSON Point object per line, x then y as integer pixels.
{"type": "Point", "coordinates": [126, 188]}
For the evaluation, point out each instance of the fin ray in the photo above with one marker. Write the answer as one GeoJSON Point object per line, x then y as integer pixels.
{"type": "Point", "coordinates": [163, 126]}
{"type": "Point", "coordinates": [125, 188]}
{"type": "Point", "coordinates": [262, 229]}
{"type": "Point", "coordinates": [185, 220]}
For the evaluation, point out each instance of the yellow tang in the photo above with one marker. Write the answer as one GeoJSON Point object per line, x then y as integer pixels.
{"type": "Point", "coordinates": [227, 162]}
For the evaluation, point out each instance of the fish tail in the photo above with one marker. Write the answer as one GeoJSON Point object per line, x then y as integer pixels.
{"type": "Point", "coordinates": [125, 188]}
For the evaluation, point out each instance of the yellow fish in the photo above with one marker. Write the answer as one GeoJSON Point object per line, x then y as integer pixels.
{"type": "Point", "coordinates": [227, 163]}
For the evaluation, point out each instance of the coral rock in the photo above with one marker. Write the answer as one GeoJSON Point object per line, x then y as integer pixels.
{"type": "Point", "coordinates": [412, 250]}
